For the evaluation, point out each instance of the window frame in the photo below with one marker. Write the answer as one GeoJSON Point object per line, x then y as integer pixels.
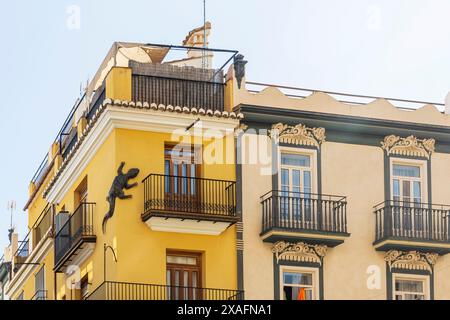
{"type": "Point", "coordinates": [312, 153]}
{"type": "Point", "coordinates": [412, 277]}
{"type": "Point", "coordinates": [422, 165]}
{"type": "Point", "coordinates": [293, 269]}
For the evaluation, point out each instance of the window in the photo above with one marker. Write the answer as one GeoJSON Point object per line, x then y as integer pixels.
{"type": "Point", "coordinates": [296, 173]}
{"type": "Point", "coordinates": [407, 183]}
{"type": "Point", "coordinates": [84, 287]}
{"type": "Point", "coordinates": [81, 193]}
{"type": "Point", "coordinates": [296, 185]}
{"type": "Point", "coordinates": [408, 190]}
{"type": "Point", "coordinates": [299, 284]}
{"type": "Point", "coordinates": [183, 276]}
{"type": "Point", "coordinates": [411, 287]}
{"type": "Point", "coordinates": [39, 283]}
{"type": "Point", "coordinates": [181, 170]}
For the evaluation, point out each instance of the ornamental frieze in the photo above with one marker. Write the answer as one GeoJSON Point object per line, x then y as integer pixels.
{"type": "Point", "coordinates": [299, 252]}
{"type": "Point", "coordinates": [412, 260]}
{"type": "Point", "coordinates": [410, 146]}
{"type": "Point", "coordinates": [299, 134]}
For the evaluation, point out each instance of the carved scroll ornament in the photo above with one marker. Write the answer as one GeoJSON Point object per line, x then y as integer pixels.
{"type": "Point", "coordinates": [410, 146]}
{"type": "Point", "coordinates": [412, 260]}
{"type": "Point", "coordinates": [299, 252]}
{"type": "Point", "coordinates": [299, 134]}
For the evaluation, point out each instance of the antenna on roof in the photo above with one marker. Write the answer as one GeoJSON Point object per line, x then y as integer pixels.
{"type": "Point", "coordinates": [11, 206]}
{"type": "Point", "coordinates": [204, 64]}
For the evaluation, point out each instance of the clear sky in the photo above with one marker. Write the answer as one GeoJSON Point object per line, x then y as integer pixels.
{"type": "Point", "coordinates": [396, 48]}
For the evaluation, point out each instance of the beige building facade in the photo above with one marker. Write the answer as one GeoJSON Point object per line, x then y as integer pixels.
{"type": "Point", "coordinates": [342, 200]}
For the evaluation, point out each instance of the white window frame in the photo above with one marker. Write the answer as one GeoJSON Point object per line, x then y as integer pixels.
{"type": "Point", "coordinates": [422, 164]}
{"type": "Point", "coordinates": [412, 277]}
{"type": "Point", "coordinates": [315, 278]}
{"type": "Point", "coordinates": [303, 152]}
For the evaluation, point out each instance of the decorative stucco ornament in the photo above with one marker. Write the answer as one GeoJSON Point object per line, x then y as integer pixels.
{"type": "Point", "coordinates": [299, 252]}
{"type": "Point", "coordinates": [299, 134]}
{"type": "Point", "coordinates": [412, 260]}
{"type": "Point", "coordinates": [239, 69]}
{"type": "Point", "coordinates": [120, 183]}
{"type": "Point", "coordinates": [410, 146]}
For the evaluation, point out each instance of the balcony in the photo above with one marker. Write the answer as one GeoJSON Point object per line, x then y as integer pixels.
{"type": "Point", "coordinates": [22, 253]}
{"type": "Point", "coordinates": [189, 205]}
{"type": "Point", "coordinates": [409, 226]}
{"type": "Point", "coordinates": [41, 230]}
{"type": "Point", "coordinates": [304, 217]}
{"type": "Point", "coordinates": [135, 291]}
{"type": "Point", "coordinates": [76, 238]}
{"type": "Point", "coordinates": [40, 295]}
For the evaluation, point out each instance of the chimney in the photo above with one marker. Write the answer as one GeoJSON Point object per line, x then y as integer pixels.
{"type": "Point", "coordinates": [447, 104]}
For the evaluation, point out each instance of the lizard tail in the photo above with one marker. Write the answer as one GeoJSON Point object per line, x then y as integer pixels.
{"type": "Point", "coordinates": [112, 202]}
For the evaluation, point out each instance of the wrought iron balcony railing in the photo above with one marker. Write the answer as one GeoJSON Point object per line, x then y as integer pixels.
{"type": "Point", "coordinates": [41, 228]}
{"type": "Point", "coordinates": [294, 211]}
{"type": "Point", "coordinates": [185, 196]}
{"type": "Point", "coordinates": [178, 92]}
{"type": "Point", "coordinates": [412, 221]}
{"type": "Point", "coordinates": [79, 226]}
{"type": "Point", "coordinates": [135, 291]}
{"type": "Point", "coordinates": [40, 295]}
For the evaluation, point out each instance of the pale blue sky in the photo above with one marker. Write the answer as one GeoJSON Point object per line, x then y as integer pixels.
{"type": "Point", "coordinates": [396, 48]}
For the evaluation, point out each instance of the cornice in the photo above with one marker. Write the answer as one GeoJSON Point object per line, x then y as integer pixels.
{"type": "Point", "coordinates": [135, 116]}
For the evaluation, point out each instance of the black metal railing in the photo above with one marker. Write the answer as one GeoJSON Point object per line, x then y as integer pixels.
{"type": "Point", "coordinates": [136, 291]}
{"type": "Point", "coordinates": [22, 253]}
{"type": "Point", "coordinates": [189, 195]}
{"type": "Point", "coordinates": [79, 225]}
{"type": "Point", "coordinates": [178, 92]}
{"type": "Point", "coordinates": [40, 295]}
{"type": "Point", "coordinates": [68, 142]}
{"type": "Point", "coordinates": [412, 220]}
{"type": "Point", "coordinates": [97, 101]}
{"type": "Point", "coordinates": [303, 211]}
{"type": "Point", "coordinates": [43, 225]}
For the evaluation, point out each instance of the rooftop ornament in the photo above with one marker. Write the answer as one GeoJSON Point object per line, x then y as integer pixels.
{"type": "Point", "coordinates": [239, 68]}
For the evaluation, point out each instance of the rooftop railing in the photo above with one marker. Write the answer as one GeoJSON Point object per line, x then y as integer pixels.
{"type": "Point", "coordinates": [178, 92]}
{"type": "Point", "coordinates": [356, 99]}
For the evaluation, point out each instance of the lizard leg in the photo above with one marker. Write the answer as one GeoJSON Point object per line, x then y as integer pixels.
{"type": "Point", "coordinates": [130, 186]}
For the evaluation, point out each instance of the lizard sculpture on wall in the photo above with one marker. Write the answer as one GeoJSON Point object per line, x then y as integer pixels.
{"type": "Point", "coordinates": [120, 183]}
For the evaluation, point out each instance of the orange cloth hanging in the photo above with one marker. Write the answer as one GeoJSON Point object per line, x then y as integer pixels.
{"type": "Point", "coordinates": [301, 294]}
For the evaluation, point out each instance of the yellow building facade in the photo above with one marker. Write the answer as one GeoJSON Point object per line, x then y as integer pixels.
{"type": "Point", "coordinates": [137, 196]}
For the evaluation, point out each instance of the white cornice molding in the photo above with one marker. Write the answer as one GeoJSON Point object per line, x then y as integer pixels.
{"type": "Point", "coordinates": [119, 117]}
